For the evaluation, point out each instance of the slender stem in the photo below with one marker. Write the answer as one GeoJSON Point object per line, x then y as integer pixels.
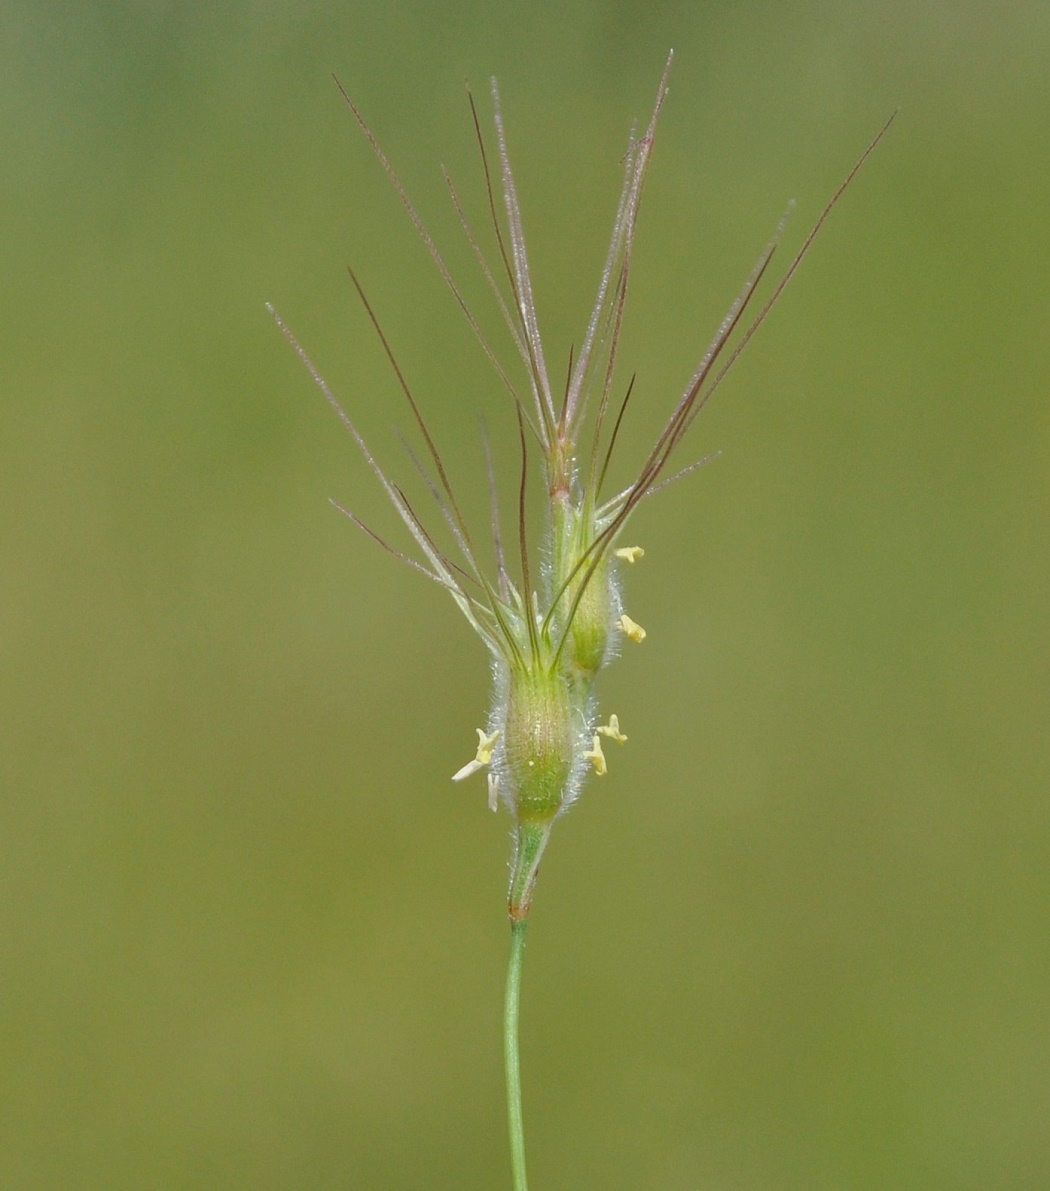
{"type": "Point", "coordinates": [510, 1053]}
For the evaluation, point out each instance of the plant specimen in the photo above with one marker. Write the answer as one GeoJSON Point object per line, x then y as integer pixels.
{"type": "Point", "coordinates": [552, 615]}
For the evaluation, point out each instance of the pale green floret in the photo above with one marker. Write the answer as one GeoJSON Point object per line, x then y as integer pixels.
{"type": "Point", "coordinates": [586, 600]}
{"type": "Point", "coordinates": [589, 631]}
{"type": "Point", "coordinates": [540, 743]}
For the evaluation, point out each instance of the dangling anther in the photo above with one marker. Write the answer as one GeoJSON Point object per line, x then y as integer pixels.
{"type": "Point", "coordinates": [612, 730]}
{"type": "Point", "coordinates": [632, 628]}
{"type": "Point", "coordinates": [484, 755]}
{"type": "Point", "coordinates": [629, 553]}
{"type": "Point", "coordinates": [597, 757]}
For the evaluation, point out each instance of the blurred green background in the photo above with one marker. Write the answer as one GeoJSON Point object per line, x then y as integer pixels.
{"type": "Point", "coordinates": [251, 934]}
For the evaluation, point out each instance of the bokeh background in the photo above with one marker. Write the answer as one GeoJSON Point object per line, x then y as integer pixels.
{"type": "Point", "coordinates": [251, 934]}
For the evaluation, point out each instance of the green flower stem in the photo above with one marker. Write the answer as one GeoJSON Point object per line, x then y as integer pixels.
{"type": "Point", "coordinates": [529, 843]}
{"type": "Point", "coordinates": [510, 1052]}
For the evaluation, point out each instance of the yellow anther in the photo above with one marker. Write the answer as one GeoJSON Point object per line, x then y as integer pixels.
{"type": "Point", "coordinates": [632, 628]}
{"type": "Point", "coordinates": [483, 757]}
{"type": "Point", "coordinates": [629, 553]}
{"type": "Point", "coordinates": [597, 757]}
{"type": "Point", "coordinates": [493, 791]}
{"type": "Point", "coordinates": [485, 745]}
{"type": "Point", "coordinates": [612, 730]}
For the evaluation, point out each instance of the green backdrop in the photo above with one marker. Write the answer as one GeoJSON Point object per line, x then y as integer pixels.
{"type": "Point", "coordinates": [251, 934]}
